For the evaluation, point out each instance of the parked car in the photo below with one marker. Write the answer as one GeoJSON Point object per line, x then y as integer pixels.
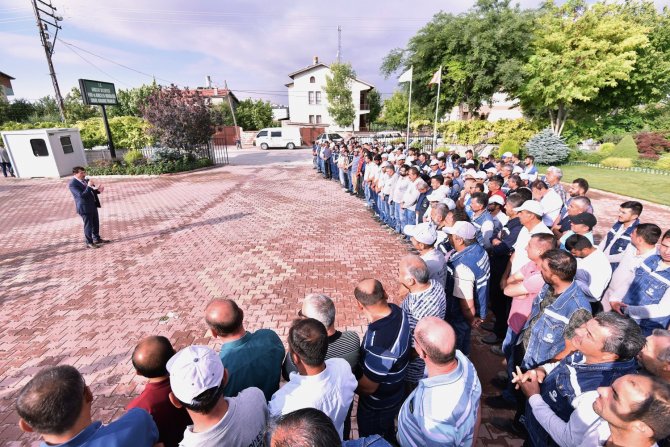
{"type": "Point", "coordinates": [333, 137]}
{"type": "Point", "coordinates": [288, 137]}
{"type": "Point", "coordinates": [388, 134]}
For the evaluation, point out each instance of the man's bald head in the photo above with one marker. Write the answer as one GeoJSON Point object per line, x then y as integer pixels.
{"type": "Point", "coordinates": [437, 338]}
{"type": "Point", "coordinates": [151, 355]}
{"type": "Point", "coordinates": [224, 317]}
{"type": "Point", "coordinates": [414, 267]}
{"type": "Point", "coordinates": [369, 292]}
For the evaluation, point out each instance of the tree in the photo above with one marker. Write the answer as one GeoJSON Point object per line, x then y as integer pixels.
{"type": "Point", "coordinates": [46, 109]}
{"type": "Point", "coordinates": [75, 110]}
{"type": "Point", "coordinates": [375, 104]}
{"type": "Point", "coordinates": [179, 119]}
{"type": "Point", "coordinates": [547, 147]}
{"type": "Point", "coordinates": [254, 115]}
{"type": "Point", "coordinates": [19, 110]}
{"type": "Point", "coordinates": [338, 93]}
{"type": "Point", "coordinates": [132, 100]}
{"type": "Point", "coordinates": [221, 115]}
{"type": "Point", "coordinates": [481, 52]}
{"type": "Point", "coordinates": [578, 50]}
{"type": "Point", "coordinates": [394, 111]}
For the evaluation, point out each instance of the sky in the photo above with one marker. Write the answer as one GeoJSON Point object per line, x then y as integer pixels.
{"type": "Point", "coordinates": [251, 44]}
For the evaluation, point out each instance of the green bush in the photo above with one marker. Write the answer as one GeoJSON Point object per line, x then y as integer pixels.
{"type": "Point", "coordinates": [442, 149]}
{"type": "Point", "coordinates": [607, 149]}
{"type": "Point", "coordinates": [663, 162]}
{"type": "Point", "coordinates": [474, 131]}
{"type": "Point", "coordinates": [626, 148]}
{"type": "Point", "coordinates": [512, 146]}
{"type": "Point", "coordinates": [133, 157]}
{"type": "Point", "coordinates": [617, 162]}
{"type": "Point", "coordinates": [105, 167]}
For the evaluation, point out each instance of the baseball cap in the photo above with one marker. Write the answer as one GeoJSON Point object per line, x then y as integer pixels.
{"type": "Point", "coordinates": [470, 173]}
{"type": "Point", "coordinates": [493, 170]}
{"type": "Point", "coordinates": [385, 155]}
{"type": "Point", "coordinates": [517, 170]}
{"type": "Point", "coordinates": [481, 175]}
{"type": "Point", "coordinates": [450, 203]}
{"type": "Point", "coordinates": [441, 154]}
{"type": "Point", "coordinates": [587, 219]}
{"type": "Point", "coordinates": [464, 230]}
{"type": "Point", "coordinates": [194, 370]}
{"type": "Point", "coordinates": [495, 198]}
{"type": "Point", "coordinates": [385, 164]}
{"type": "Point", "coordinates": [423, 232]}
{"type": "Point", "coordinates": [532, 206]}
{"type": "Point", "coordinates": [434, 162]}
{"type": "Point", "coordinates": [402, 157]}
{"type": "Point", "coordinates": [507, 155]}
{"type": "Point", "coordinates": [436, 196]}
{"type": "Point", "coordinates": [469, 163]}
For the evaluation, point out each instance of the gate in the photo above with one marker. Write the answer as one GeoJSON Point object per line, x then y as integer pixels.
{"type": "Point", "coordinates": [218, 151]}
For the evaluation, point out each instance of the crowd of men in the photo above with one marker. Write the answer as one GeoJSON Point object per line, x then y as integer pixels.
{"type": "Point", "coordinates": [583, 328]}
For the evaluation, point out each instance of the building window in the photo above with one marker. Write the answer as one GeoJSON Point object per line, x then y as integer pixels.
{"type": "Point", "coordinates": [311, 97]}
{"type": "Point", "coordinates": [318, 119]}
{"type": "Point", "coordinates": [311, 119]}
{"type": "Point", "coordinates": [66, 144]}
{"type": "Point", "coordinates": [39, 147]}
{"type": "Point", "coordinates": [318, 97]}
{"type": "Point", "coordinates": [312, 79]}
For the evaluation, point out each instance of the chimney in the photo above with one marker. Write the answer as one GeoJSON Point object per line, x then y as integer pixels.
{"type": "Point", "coordinates": [316, 60]}
{"type": "Point", "coordinates": [208, 81]}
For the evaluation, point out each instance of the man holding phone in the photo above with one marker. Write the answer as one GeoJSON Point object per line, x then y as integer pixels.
{"type": "Point", "coordinates": [85, 192]}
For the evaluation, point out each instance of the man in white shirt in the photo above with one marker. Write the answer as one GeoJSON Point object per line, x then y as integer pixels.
{"type": "Point", "coordinates": [530, 215]}
{"type": "Point", "coordinates": [593, 269]}
{"type": "Point", "coordinates": [423, 237]}
{"type": "Point", "coordinates": [549, 199]}
{"type": "Point", "coordinates": [399, 189]}
{"type": "Point", "coordinates": [632, 412]}
{"type": "Point", "coordinates": [327, 385]}
{"type": "Point", "coordinates": [643, 244]}
{"type": "Point", "coordinates": [411, 195]}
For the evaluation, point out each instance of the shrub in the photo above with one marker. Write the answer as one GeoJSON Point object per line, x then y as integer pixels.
{"type": "Point", "coordinates": [626, 148]}
{"type": "Point", "coordinates": [663, 162]}
{"type": "Point", "coordinates": [106, 167]}
{"type": "Point", "coordinates": [442, 149]}
{"type": "Point", "coordinates": [512, 146]}
{"type": "Point", "coordinates": [612, 138]}
{"type": "Point", "coordinates": [652, 145]}
{"type": "Point", "coordinates": [617, 162]}
{"type": "Point", "coordinates": [133, 157]}
{"type": "Point", "coordinates": [547, 148]}
{"type": "Point", "coordinates": [606, 149]}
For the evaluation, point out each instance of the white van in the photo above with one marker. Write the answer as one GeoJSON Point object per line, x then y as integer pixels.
{"type": "Point", "coordinates": [288, 137]}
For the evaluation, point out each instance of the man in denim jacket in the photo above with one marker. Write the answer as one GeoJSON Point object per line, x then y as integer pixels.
{"type": "Point", "coordinates": [559, 307]}
{"type": "Point", "coordinates": [606, 349]}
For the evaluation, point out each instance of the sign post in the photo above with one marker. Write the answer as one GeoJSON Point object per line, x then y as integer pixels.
{"type": "Point", "coordinates": [97, 93]}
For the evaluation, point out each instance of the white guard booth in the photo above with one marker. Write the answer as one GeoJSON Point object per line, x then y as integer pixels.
{"type": "Point", "coordinates": [44, 152]}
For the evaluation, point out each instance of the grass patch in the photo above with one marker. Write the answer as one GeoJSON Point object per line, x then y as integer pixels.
{"type": "Point", "coordinates": [640, 185]}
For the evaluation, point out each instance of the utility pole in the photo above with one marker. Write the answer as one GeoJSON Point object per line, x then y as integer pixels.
{"type": "Point", "coordinates": [232, 111]}
{"type": "Point", "coordinates": [339, 44]}
{"type": "Point", "coordinates": [49, 11]}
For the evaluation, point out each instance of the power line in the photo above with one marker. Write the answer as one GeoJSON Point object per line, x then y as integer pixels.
{"type": "Point", "coordinates": [93, 65]}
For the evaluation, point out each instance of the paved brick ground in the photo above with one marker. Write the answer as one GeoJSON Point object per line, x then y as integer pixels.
{"type": "Point", "coordinates": [263, 236]}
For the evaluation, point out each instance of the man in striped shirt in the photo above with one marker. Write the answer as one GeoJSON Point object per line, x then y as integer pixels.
{"type": "Point", "coordinates": [426, 298]}
{"type": "Point", "coordinates": [383, 361]}
{"type": "Point", "coordinates": [444, 408]}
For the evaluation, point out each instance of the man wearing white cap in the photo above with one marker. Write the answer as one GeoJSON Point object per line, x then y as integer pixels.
{"type": "Point", "coordinates": [496, 208]}
{"type": "Point", "coordinates": [467, 285]}
{"type": "Point", "coordinates": [434, 168]}
{"type": "Point", "coordinates": [197, 380]}
{"type": "Point", "coordinates": [423, 237]}
{"type": "Point", "coordinates": [550, 200]}
{"type": "Point", "coordinates": [530, 215]}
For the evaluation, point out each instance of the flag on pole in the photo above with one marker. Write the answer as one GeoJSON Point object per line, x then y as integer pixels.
{"type": "Point", "coordinates": [437, 77]}
{"type": "Point", "coordinates": [406, 76]}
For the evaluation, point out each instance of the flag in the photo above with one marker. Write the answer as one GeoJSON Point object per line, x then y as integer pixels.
{"type": "Point", "coordinates": [437, 77]}
{"type": "Point", "coordinates": [406, 76]}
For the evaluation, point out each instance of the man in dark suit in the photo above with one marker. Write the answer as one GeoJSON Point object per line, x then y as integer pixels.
{"type": "Point", "coordinates": [85, 193]}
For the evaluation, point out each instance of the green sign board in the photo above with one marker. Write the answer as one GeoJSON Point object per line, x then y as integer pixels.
{"type": "Point", "coordinates": [96, 93]}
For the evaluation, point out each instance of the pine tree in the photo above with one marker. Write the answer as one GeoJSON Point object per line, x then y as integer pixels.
{"type": "Point", "coordinates": [547, 148]}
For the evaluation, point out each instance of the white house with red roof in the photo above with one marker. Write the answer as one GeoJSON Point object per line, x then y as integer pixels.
{"type": "Point", "coordinates": [307, 102]}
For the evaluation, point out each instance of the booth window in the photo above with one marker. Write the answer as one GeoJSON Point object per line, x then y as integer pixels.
{"type": "Point", "coordinates": [39, 147]}
{"type": "Point", "coordinates": [66, 144]}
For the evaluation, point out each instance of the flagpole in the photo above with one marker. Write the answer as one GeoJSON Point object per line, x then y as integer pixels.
{"type": "Point", "coordinates": [409, 108]}
{"type": "Point", "coordinates": [437, 106]}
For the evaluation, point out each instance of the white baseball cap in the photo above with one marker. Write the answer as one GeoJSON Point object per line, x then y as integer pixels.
{"type": "Point", "coordinates": [402, 157]}
{"type": "Point", "coordinates": [507, 155]}
{"type": "Point", "coordinates": [470, 173]}
{"type": "Point", "coordinates": [492, 169]}
{"type": "Point", "coordinates": [481, 175]}
{"type": "Point", "coordinates": [532, 206]}
{"type": "Point", "coordinates": [495, 198]}
{"type": "Point", "coordinates": [423, 232]}
{"type": "Point", "coordinates": [436, 196]}
{"type": "Point", "coordinates": [441, 154]}
{"type": "Point", "coordinates": [434, 162]}
{"type": "Point", "coordinates": [517, 170]}
{"type": "Point", "coordinates": [385, 155]}
{"type": "Point", "coordinates": [450, 203]}
{"type": "Point", "coordinates": [464, 230]}
{"type": "Point", "coordinates": [194, 370]}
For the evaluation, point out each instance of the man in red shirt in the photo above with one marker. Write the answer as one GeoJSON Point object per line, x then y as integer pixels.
{"type": "Point", "coordinates": [150, 358]}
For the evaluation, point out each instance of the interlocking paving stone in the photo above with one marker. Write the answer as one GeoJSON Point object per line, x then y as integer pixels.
{"type": "Point", "coordinates": [264, 236]}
